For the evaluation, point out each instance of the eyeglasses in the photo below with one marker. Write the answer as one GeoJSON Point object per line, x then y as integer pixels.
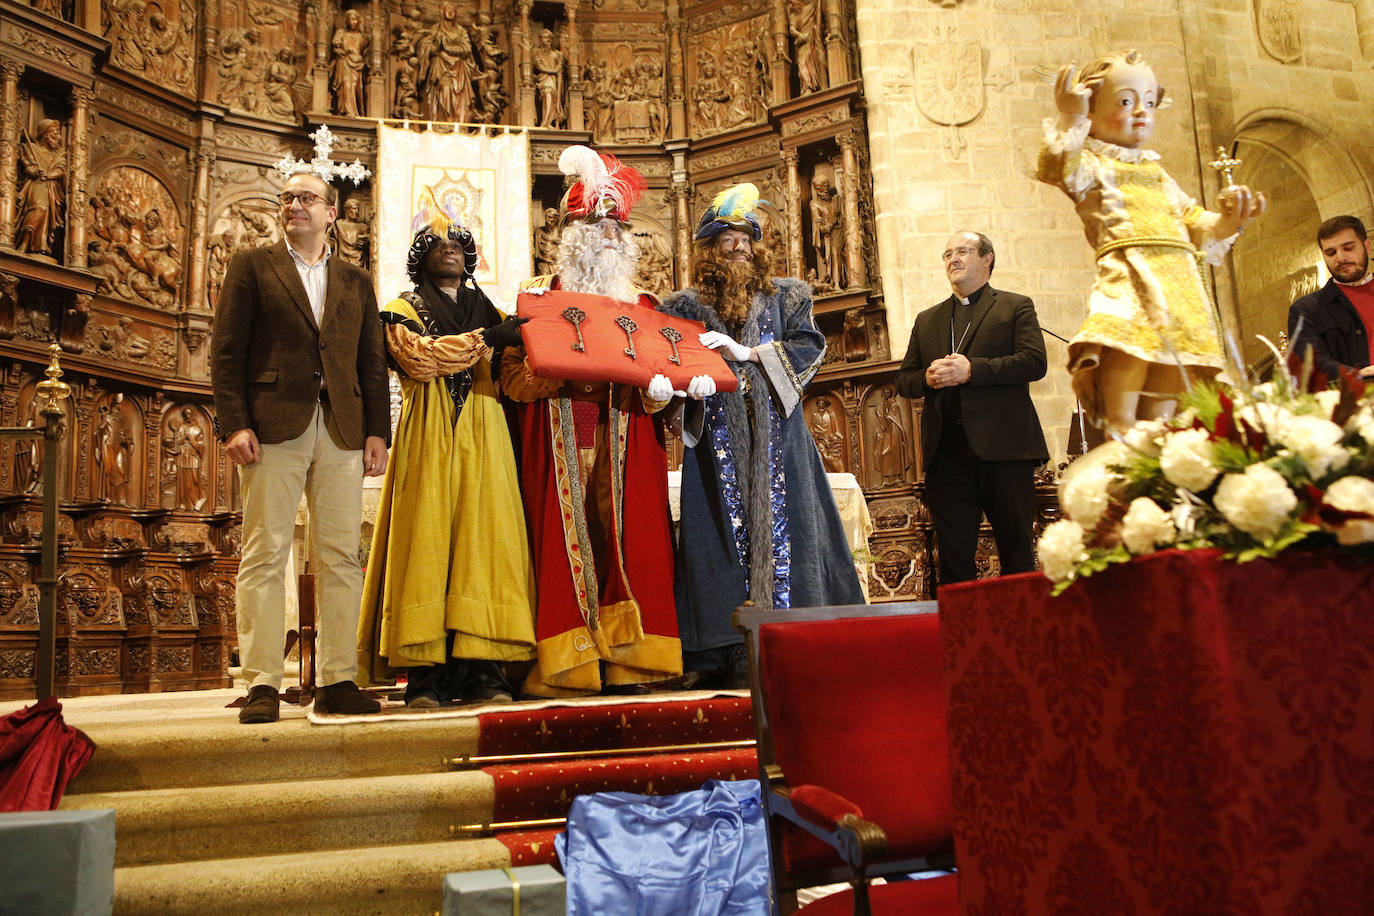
{"type": "Point", "coordinates": [958, 252]}
{"type": "Point", "coordinates": [307, 198]}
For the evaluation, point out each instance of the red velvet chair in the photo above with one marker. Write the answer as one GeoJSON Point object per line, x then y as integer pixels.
{"type": "Point", "coordinates": [849, 710]}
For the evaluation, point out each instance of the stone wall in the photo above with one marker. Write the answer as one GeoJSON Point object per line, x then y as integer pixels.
{"type": "Point", "coordinates": [957, 91]}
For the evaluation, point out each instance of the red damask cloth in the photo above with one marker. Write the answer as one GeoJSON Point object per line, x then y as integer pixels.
{"type": "Point", "coordinates": [608, 328]}
{"type": "Point", "coordinates": [1179, 735]}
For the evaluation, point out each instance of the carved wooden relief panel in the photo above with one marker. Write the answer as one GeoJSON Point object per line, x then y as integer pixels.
{"type": "Point", "coordinates": [729, 75]}
{"type": "Point", "coordinates": [137, 238]}
{"type": "Point", "coordinates": [152, 40]}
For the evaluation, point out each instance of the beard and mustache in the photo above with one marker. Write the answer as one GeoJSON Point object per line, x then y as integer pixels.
{"type": "Point", "coordinates": [588, 262]}
{"type": "Point", "coordinates": [729, 285]}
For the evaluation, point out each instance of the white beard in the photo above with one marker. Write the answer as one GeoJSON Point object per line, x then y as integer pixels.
{"type": "Point", "coordinates": [587, 265]}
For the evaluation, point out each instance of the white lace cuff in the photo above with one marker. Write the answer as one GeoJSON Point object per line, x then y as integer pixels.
{"type": "Point", "coordinates": [1217, 249]}
{"type": "Point", "coordinates": [1061, 141]}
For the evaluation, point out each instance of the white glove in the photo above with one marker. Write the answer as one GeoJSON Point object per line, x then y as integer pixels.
{"type": "Point", "coordinates": [715, 340]}
{"type": "Point", "coordinates": [660, 388]}
{"type": "Point", "coordinates": [701, 386]}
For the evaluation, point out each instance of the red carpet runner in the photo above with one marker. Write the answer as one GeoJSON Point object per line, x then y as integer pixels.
{"type": "Point", "coordinates": [648, 748]}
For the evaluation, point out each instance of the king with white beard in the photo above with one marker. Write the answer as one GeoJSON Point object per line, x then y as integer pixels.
{"type": "Point", "coordinates": [594, 466]}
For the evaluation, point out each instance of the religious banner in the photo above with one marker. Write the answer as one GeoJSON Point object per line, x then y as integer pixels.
{"type": "Point", "coordinates": [482, 178]}
{"type": "Point", "coordinates": [589, 338]}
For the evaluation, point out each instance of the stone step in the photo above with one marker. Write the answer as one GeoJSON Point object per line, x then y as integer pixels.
{"type": "Point", "coordinates": [220, 751]}
{"type": "Point", "coordinates": [156, 826]}
{"type": "Point", "coordinates": [341, 882]}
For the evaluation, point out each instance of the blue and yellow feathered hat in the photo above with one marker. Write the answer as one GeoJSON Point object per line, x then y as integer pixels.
{"type": "Point", "coordinates": [436, 221]}
{"type": "Point", "coordinates": [733, 208]}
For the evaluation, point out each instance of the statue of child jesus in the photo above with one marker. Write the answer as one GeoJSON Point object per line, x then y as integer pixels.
{"type": "Point", "coordinates": [1149, 317]}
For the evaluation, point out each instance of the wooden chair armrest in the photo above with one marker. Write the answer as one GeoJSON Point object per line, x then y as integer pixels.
{"type": "Point", "coordinates": [858, 841]}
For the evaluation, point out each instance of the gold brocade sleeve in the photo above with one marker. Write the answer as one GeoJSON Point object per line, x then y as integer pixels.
{"type": "Point", "coordinates": [425, 358]}
{"type": "Point", "coordinates": [520, 384]}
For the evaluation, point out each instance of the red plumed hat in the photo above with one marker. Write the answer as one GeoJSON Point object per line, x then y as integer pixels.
{"type": "Point", "coordinates": [606, 188]}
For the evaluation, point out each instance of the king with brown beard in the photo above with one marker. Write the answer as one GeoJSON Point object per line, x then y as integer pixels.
{"type": "Point", "coordinates": [758, 520]}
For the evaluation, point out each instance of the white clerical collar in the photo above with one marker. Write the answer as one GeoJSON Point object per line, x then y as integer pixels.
{"type": "Point", "coordinates": [1365, 281]}
{"type": "Point", "coordinates": [963, 300]}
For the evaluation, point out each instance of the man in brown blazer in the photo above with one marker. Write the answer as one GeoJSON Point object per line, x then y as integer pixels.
{"type": "Point", "coordinates": [299, 374]}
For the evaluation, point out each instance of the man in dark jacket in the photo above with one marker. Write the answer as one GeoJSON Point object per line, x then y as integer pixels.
{"type": "Point", "coordinates": [972, 358]}
{"type": "Point", "coordinates": [1336, 320]}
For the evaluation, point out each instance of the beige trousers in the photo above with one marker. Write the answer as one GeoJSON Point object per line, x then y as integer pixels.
{"type": "Point", "coordinates": [332, 479]}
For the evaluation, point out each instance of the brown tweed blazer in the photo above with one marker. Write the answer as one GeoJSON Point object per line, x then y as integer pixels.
{"type": "Point", "coordinates": [269, 359]}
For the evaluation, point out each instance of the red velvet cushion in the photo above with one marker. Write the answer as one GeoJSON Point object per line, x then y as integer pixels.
{"type": "Point", "coordinates": [821, 806]}
{"type": "Point", "coordinates": [931, 897]}
{"type": "Point", "coordinates": [857, 707]}
{"type": "Point", "coordinates": [549, 339]}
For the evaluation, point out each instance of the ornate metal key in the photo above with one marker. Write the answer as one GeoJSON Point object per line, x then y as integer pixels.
{"type": "Point", "coordinates": [628, 325]}
{"type": "Point", "coordinates": [673, 336]}
{"type": "Point", "coordinates": [575, 316]}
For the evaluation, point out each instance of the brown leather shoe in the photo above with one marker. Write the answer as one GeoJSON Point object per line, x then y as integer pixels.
{"type": "Point", "coordinates": [263, 705]}
{"type": "Point", "coordinates": [344, 699]}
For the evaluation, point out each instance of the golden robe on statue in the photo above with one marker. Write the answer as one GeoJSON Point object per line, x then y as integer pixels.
{"type": "Point", "coordinates": [1148, 299]}
{"type": "Point", "coordinates": [450, 550]}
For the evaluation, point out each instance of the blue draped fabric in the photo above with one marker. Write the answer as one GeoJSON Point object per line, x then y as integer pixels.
{"type": "Point", "coordinates": [698, 853]}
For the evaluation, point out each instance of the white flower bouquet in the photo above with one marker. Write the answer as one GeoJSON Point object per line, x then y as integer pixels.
{"type": "Point", "coordinates": [1251, 471]}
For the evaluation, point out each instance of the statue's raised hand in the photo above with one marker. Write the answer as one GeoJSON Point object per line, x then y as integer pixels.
{"type": "Point", "coordinates": [1072, 98]}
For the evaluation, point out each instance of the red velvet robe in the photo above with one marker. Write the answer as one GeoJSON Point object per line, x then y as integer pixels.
{"type": "Point", "coordinates": [599, 599]}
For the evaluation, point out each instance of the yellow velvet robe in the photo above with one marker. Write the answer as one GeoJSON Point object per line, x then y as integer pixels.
{"type": "Point", "coordinates": [450, 550]}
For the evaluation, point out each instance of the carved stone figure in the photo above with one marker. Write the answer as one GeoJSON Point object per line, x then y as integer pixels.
{"type": "Point", "coordinates": [548, 81]}
{"type": "Point", "coordinates": [710, 94]}
{"type": "Point", "coordinates": [277, 97]}
{"type": "Point", "coordinates": [216, 260]}
{"type": "Point", "coordinates": [890, 441]}
{"type": "Point", "coordinates": [490, 74]}
{"type": "Point", "coordinates": [28, 464]}
{"type": "Point", "coordinates": [445, 60]}
{"type": "Point", "coordinates": [405, 98]}
{"type": "Point", "coordinates": [155, 256]}
{"type": "Point", "coordinates": [655, 272]}
{"type": "Point", "coordinates": [596, 99]}
{"type": "Point", "coordinates": [827, 233]}
{"type": "Point", "coordinates": [804, 24]}
{"type": "Point", "coordinates": [546, 239]}
{"type": "Point", "coordinates": [353, 236]}
{"type": "Point", "coordinates": [760, 69]}
{"type": "Point", "coordinates": [855, 338]}
{"type": "Point", "coordinates": [43, 191]}
{"type": "Point", "coordinates": [189, 445]}
{"type": "Point", "coordinates": [829, 442]}
{"type": "Point", "coordinates": [349, 52]}
{"type": "Point", "coordinates": [124, 18]}
{"type": "Point", "coordinates": [113, 454]}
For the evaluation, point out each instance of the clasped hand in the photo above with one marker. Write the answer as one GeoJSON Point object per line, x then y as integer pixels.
{"type": "Point", "coordinates": [948, 371]}
{"type": "Point", "coordinates": [700, 386]}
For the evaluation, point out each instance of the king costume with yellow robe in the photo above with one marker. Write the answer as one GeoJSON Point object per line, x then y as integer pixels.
{"type": "Point", "coordinates": [450, 555]}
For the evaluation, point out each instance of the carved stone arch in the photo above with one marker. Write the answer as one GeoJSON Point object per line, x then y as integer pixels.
{"type": "Point", "coordinates": [137, 232]}
{"type": "Point", "coordinates": [1308, 176]}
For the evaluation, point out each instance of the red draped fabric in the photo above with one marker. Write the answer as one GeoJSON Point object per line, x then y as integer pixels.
{"type": "Point", "coordinates": [39, 754]}
{"type": "Point", "coordinates": [1178, 735]}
